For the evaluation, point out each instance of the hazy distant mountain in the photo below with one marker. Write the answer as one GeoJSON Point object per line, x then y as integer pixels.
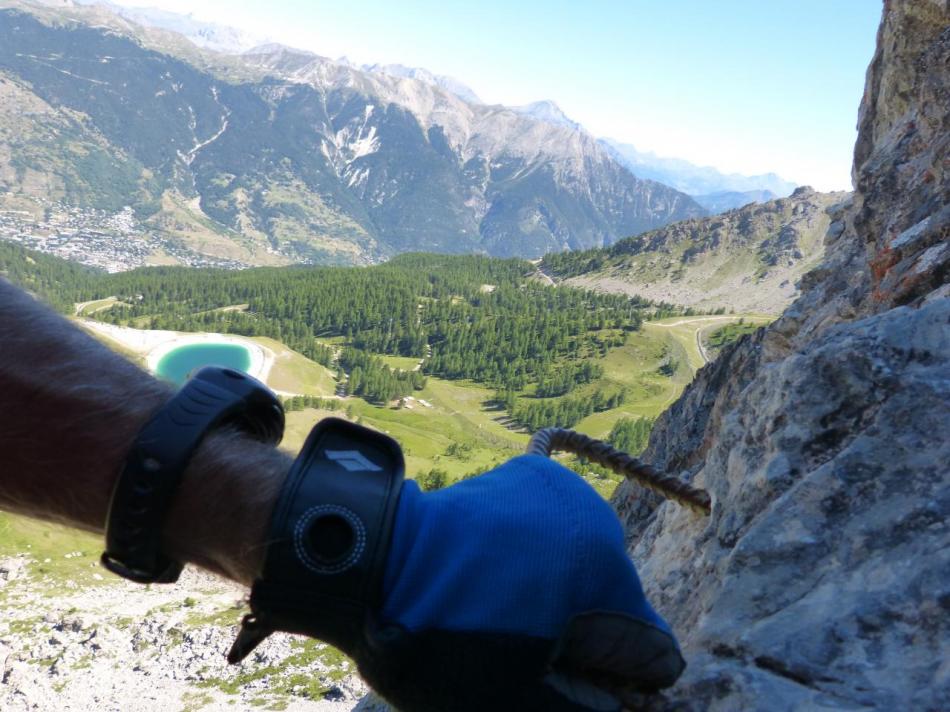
{"type": "Point", "coordinates": [690, 178]}
{"type": "Point", "coordinates": [280, 155]}
{"type": "Point", "coordinates": [748, 259]}
{"type": "Point", "coordinates": [715, 191]}
{"type": "Point", "coordinates": [725, 200]}
{"type": "Point", "coordinates": [209, 35]}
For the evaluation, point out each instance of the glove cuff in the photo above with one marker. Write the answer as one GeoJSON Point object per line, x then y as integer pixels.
{"type": "Point", "coordinates": [328, 540]}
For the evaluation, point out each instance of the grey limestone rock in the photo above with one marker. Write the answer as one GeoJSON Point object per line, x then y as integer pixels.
{"type": "Point", "coordinates": [822, 578]}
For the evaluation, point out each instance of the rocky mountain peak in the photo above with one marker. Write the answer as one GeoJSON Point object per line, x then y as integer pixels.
{"type": "Point", "coordinates": [548, 112]}
{"type": "Point", "coordinates": [802, 191]}
{"type": "Point", "coordinates": [821, 579]}
{"type": "Point", "coordinates": [449, 84]}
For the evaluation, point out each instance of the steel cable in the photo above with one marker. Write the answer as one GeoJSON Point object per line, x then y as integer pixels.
{"type": "Point", "coordinates": [546, 441]}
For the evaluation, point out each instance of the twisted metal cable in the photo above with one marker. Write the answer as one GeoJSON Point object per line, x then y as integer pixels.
{"type": "Point", "coordinates": [546, 441]}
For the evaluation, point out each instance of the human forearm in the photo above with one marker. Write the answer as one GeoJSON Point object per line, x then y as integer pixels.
{"type": "Point", "coordinates": [69, 410]}
{"type": "Point", "coordinates": [219, 518]}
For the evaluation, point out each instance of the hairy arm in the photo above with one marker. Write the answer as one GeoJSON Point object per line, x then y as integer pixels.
{"type": "Point", "coordinates": [69, 410]}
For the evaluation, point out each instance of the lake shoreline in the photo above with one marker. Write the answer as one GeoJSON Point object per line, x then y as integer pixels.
{"type": "Point", "coordinates": [154, 345]}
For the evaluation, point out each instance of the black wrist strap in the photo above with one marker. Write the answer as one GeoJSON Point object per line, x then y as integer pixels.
{"type": "Point", "coordinates": [213, 397]}
{"type": "Point", "coordinates": [328, 541]}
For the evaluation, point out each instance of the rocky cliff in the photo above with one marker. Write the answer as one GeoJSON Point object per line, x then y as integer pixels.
{"type": "Point", "coordinates": [822, 578]}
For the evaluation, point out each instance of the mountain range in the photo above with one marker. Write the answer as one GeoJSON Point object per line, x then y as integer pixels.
{"type": "Point", "coordinates": [279, 155]}
{"type": "Point", "coordinates": [716, 191]}
{"type": "Point", "coordinates": [693, 179]}
{"type": "Point", "coordinates": [209, 35]}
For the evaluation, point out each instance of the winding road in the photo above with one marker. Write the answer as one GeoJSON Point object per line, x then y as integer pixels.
{"type": "Point", "coordinates": [698, 332]}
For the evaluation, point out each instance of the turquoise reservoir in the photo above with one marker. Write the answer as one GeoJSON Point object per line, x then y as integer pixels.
{"type": "Point", "coordinates": [178, 363]}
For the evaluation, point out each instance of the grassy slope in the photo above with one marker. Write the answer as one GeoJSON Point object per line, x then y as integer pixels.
{"type": "Point", "coordinates": [636, 367]}
{"type": "Point", "coordinates": [48, 545]}
{"type": "Point", "coordinates": [295, 373]}
{"type": "Point", "coordinates": [458, 415]}
{"type": "Point", "coordinates": [406, 363]}
{"type": "Point", "coordinates": [684, 329]}
{"type": "Point", "coordinates": [90, 308]}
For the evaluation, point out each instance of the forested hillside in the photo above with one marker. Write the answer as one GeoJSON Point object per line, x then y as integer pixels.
{"type": "Point", "coordinates": [55, 280]}
{"type": "Point", "coordinates": [464, 318]}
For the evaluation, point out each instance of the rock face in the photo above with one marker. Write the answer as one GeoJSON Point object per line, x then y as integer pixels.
{"type": "Point", "coordinates": [822, 578]}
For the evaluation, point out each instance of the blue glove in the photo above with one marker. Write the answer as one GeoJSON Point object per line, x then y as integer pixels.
{"type": "Point", "coordinates": [513, 591]}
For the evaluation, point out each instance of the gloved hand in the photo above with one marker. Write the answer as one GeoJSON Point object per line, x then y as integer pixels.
{"type": "Point", "coordinates": [513, 591]}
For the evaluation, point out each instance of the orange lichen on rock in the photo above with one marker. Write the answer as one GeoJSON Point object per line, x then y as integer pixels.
{"type": "Point", "coordinates": [880, 264]}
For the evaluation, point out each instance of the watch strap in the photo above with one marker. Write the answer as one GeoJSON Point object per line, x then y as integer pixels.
{"type": "Point", "coordinates": [329, 538]}
{"type": "Point", "coordinates": [212, 398]}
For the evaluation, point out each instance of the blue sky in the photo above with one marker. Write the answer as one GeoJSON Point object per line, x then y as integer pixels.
{"type": "Point", "coordinates": [744, 85]}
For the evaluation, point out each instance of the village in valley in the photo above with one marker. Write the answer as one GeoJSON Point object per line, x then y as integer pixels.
{"type": "Point", "coordinates": [112, 241]}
